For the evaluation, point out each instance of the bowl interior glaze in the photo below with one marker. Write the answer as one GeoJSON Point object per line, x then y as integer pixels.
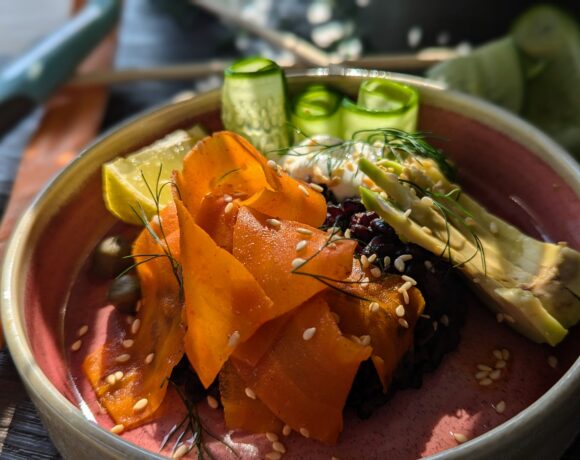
{"type": "Point", "coordinates": [501, 161]}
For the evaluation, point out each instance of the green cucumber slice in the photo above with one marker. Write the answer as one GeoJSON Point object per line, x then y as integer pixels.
{"type": "Point", "coordinates": [381, 104]}
{"type": "Point", "coordinates": [254, 103]}
{"type": "Point", "coordinates": [316, 111]}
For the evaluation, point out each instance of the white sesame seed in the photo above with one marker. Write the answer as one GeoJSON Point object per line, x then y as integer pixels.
{"type": "Point", "coordinates": [484, 367]}
{"type": "Point", "coordinates": [444, 320]}
{"type": "Point", "coordinates": [509, 318]}
{"type": "Point", "coordinates": [138, 306]}
{"type": "Point", "coordinates": [301, 245]}
{"type": "Point", "coordinates": [481, 375]}
{"type": "Point", "coordinates": [123, 358]}
{"type": "Point", "coordinates": [304, 231]}
{"type": "Point", "coordinates": [119, 375]}
{"type": "Point", "coordinates": [364, 283]}
{"type": "Point", "coordinates": [181, 451]}
{"type": "Point", "coordinates": [497, 354]}
{"type": "Point", "coordinates": [286, 430]}
{"type": "Point", "coordinates": [156, 220]}
{"type": "Point", "coordinates": [347, 233]}
{"type": "Point", "coordinates": [130, 319]}
{"type": "Point", "coordinates": [376, 272]}
{"type": "Point", "coordinates": [364, 261]}
{"type": "Point", "coordinates": [400, 311]}
{"type": "Point", "coordinates": [372, 258]}
{"type": "Point", "coordinates": [493, 227]}
{"type": "Point", "coordinates": [423, 315]}
{"type": "Point", "coordinates": [552, 361]}
{"type": "Point", "coordinates": [272, 165]}
{"type": "Point", "coordinates": [495, 374]}
{"type": "Point", "coordinates": [228, 198]}
{"type": "Point", "coordinates": [229, 208]}
{"type": "Point", "coordinates": [279, 171]}
{"type": "Point", "coordinates": [140, 405]}
{"type": "Point", "coordinates": [405, 286]}
{"type": "Point", "coordinates": [505, 354]}
{"type": "Point", "coordinates": [407, 213]}
{"type": "Point", "coordinates": [403, 322]}
{"type": "Point", "coordinates": [135, 326]}
{"type": "Point", "coordinates": [76, 346]}
{"type": "Point", "coordinates": [500, 407]}
{"type": "Point", "coordinates": [316, 187]}
{"type": "Point", "coordinates": [485, 382]}
{"type": "Point", "coordinates": [499, 317]}
{"type": "Point", "coordinates": [273, 222]}
{"type": "Point", "coordinates": [355, 339]}
{"type": "Point", "coordinates": [118, 429]}
{"type": "Point", "coordinates": [82, 330]}
{"type": "Point", "coordinates": [400, 262]}
{"type": "Point", "coordinates": [427, 201]}
{"type": "Point", "coordinates": [250, 393]}
{"type": "Point", "coordinates": [298, 262]}
{"type": "Point", "coordinates": [500, 364]}
{"type": "Point", "coordinates": [127, 343]}
{"type": "Point", "coordinates": [272, 437]}
{"type": "Point", "coordinates": [304, 190]}
{"type": "Point", "coordinates": [459, 437]}
{"type": "Point", "coordinates": [111, 379]}
{"type": "Point", "coordinates": [374, 307]}
{"type": "Point", "coordinates": [405, 297]}
{"type": "Point", "coordinates": [428, 264]}
{"type": "Point", "coordinates": [279, 447]}
{"type": "Point", "coordinates": [234, 339]}
{"type": "Point", "coordinates": [470, 221]}
{"type": "Point", "coordinates": [435, 326]}
{"type": "Point", "coordinates": [304, 432]}
{"type": "Point", "coordinates": [212, 402]}
{"type": "Point", "coordinates": [273, 456]}
{"type": "Point", "coordinates": [386, 261]}
{"type": "Point", "coordinates": [409, 279]}
{"type": "Point", "coordinates": [149, 358]}
{"type": "Point", "coordinates": [309, 333]}
{"type": "Point", "coordinates": [365, 340]}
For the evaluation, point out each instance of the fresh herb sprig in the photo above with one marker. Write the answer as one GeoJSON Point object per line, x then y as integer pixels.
{"type": "Point", "coordinates": [395, 145]}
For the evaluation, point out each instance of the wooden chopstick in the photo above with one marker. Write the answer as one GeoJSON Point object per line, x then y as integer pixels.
{"type": "Point", "coordinates": [189, 71]}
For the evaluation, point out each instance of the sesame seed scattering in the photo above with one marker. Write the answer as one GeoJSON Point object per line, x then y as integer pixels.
{"type": "Point", "coordinates": [380, 245]}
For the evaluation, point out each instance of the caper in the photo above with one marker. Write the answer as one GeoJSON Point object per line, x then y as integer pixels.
{"type": "Point", "coordinates": [110, 258]}
{"type": "Point", "coordinates": [124, 293]}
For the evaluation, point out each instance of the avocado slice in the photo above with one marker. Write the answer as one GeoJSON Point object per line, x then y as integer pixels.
{"type": "Point", "coordinates": [534, 284]}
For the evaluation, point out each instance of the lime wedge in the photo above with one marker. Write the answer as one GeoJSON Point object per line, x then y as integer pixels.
{"type": "Point", "coordinates": [128, 182]}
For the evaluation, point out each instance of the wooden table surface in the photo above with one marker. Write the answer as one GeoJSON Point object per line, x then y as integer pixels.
{"type": "Point", "coordinates": [148, 37]}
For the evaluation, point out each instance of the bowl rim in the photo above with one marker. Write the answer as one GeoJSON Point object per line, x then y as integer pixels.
{"type": "Point", "coordinates": [41, 389]}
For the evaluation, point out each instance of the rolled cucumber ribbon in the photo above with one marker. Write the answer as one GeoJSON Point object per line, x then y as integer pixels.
{"type": "Point", "coordinates": [254, 103]}
{"type": "Point", "coordinates": [381, 104]}
{"type": "Point", "coordinates": [316, 110]}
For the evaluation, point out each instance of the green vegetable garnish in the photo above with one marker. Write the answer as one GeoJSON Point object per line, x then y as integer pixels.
{"type": "Point", "coordinates": [254, 103]}
{"type": "Point", "coordinates": [316, 111]}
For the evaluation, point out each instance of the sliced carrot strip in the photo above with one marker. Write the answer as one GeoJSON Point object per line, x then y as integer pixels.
{"type": "Point", "coordinates": [226, 163]}
{"type": "Point", "coordinates": [253, 349]}
{"type": "Point", "coordinates": [160, 334]}
{"type": "Point", "coordinates": [224, 304]}
{"type": "Point", "coordinates": [241, 411]}
{"type": "Point", "coordinates": [223, 163]}
{"type": "Point", "coordinates": [217, 223]}
{"type": "Point", "coordinates": [268, 250]}
{"type": "Point", "coordinates": [305, 382]}
{"type": "Point", "coordinates": [391, 336]}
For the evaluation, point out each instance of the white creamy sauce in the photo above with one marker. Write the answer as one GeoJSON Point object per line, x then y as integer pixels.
{"type": "Point", "coordinates": [317, 160]}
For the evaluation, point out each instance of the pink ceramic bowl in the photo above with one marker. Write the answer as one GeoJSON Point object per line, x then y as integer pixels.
{"type": "Point", "coordinates": [511, 167]}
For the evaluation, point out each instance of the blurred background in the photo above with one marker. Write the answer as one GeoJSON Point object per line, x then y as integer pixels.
{"type": "Point", "coordinates": [162, 49]}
